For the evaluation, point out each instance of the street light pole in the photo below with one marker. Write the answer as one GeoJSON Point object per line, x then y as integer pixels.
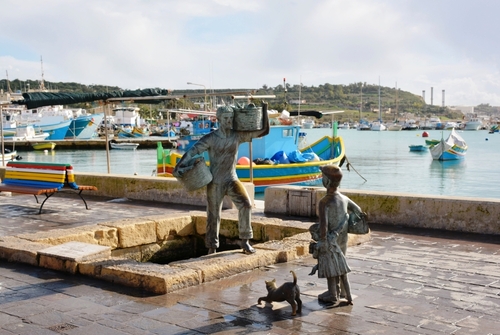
{"type": "Point", "coordinates": [205, 89]}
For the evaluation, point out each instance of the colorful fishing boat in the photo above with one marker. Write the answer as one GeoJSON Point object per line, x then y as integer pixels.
{"type": "Point", "coordinates": [277, 158]}
{"type": "Point", "coordinates": [453, 148]}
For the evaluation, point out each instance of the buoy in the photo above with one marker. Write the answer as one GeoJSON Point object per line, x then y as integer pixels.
{"type": "Point", "coordinates": [244, 161]}
{"type": "Point", "coordinates": [425, 134]}
{"type": "Point", "coordinates": [486, 138]}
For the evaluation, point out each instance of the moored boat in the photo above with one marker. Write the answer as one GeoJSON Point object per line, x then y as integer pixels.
{"type": "Point", "coordinates": [84, 126]}
{"type": "Point", "coordinates": [279, 160]}
{"type": "Point", "coordinates": [453, 148]}
{"type": "Point", "coordinates": [417, 147]}
{"type": "Point", "coordinates": [123, 145]}
{"type": "Point", "coordinates": [44, 145]}
{"type": "Point", "coordinates": [394, 127]}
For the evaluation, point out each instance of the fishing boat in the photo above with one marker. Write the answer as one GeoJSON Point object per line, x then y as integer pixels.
{"type": "Point", "coordinates": [431, 142]}
{"type": "Point", "coordinates": [275, 163]}
{"type": "Point", "coordinates": [453, 148]}
{"type": "Point", "coordinates": [9, 155]}
{"type": "Point", "coordinates": [44, 145]}
{"type": "Point", "coordinates": [28, 133]}
{"type": "Point", "coordinates": [473, 122]}
{"type": "Point", "coordinates": [123, 145]}
{"type": "Point", "coordinates": [84, 126]}
{"type": "Point", "coordinates": [417, 147]}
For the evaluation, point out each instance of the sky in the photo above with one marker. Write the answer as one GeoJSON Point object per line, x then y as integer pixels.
{"type": "Point", "coordinates": [414, 45]}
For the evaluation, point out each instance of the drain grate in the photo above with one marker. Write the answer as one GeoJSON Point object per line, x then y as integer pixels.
{"type": "Point", "coordinates": [62, 327]}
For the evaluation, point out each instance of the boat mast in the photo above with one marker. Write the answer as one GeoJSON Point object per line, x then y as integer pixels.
{"type": "Point", "coordinates": [300, 91]}
{"type": "Point", "coordinates": [8, 82]}
{"type": "Point", "coordinates": [396, 113]}
{"type": "Point", "coordinates": [360, 101]}
{"type": "Point", "coordinates": [42, 82]}
{"type": "Point", "coordinates": [379, 110]}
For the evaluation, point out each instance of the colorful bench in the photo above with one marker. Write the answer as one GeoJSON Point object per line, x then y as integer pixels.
{"type": "Point", "coordinates": [41, 178]}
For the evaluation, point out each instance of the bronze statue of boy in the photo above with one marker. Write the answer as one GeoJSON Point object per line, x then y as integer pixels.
{"type": "Point", "coordinates": [222, 146]}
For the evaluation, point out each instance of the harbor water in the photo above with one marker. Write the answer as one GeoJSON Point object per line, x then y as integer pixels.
{"type": "Point", "coordinates": [378, 161]}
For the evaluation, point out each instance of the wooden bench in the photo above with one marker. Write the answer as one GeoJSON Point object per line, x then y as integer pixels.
{"type": "Point", "coordinates": [41, 178]}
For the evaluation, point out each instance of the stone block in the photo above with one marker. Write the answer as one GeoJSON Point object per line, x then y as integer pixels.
{"type": "Point", "coordinates": [134, 253]}
{"type": "Point", "coordinates": [159, 279]}
{"type": "Point", "coordinates": [200, 223]}
{"type": "Point", "coordinates": [133, 231]}
{"type": "Point", "coordinates": [288, 249]}
{"type": "Point", "coordinates": [93, 234]}
{"type": "Point", "coordinates": [283, 229]}
{"type": "Point", "coordinates": [14, 249]}
{"type": "Point", "coordinates": [181, 225]}
{"type": "Point", "coordinates": [65, 257]}
{"type": "Point", "coordinates": [227, 263]}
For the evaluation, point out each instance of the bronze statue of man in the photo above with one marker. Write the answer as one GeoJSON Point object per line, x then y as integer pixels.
{"type": "Point", "coordinates": [222, 146]}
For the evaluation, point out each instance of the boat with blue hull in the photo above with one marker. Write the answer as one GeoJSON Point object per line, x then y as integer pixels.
{"type": "Point", "coordinates": [56, 131]}
{"type": "Point", "coordinates": [453, 148]}
{"type": "Point", "coordinates": [279, 160]}
{"type": "Point", "coordinates": [84, 127]}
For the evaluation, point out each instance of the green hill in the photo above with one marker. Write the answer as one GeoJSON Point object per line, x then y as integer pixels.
{"type": "Point", "coordinates": [358, 100]}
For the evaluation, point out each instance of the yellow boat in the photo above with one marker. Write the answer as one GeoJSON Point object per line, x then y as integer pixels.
{"type": "Point", "coordinates": [44, 146]}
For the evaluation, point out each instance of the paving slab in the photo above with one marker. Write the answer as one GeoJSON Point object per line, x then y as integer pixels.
{"type": "Point", "coordinates": [403, 281]}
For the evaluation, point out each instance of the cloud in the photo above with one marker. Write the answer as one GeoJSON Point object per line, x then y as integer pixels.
{"type": "Point", "coordinates": [447, 45]}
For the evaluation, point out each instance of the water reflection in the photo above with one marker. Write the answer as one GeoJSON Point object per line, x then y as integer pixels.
{"type": "Point", "coordinates": [447, 176]}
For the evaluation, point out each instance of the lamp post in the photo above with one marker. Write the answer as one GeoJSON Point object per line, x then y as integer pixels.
{"type": "Point", "coordinates": [205, 89]}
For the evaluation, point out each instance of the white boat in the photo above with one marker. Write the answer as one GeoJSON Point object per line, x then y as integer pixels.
{"type": "Point", "coordinates": [123, 145]}
{"type": "Point", "coordinates": [128, 116]}
{"type": "Point", "coordinates": [344, 125]}
{"type": "Point", "coordinates": [53, 120]}
{"type": "Point", "coordinates": [84, 125]}
{"type": "Point", "coordinates": [308, 124]}
{"type": "Point", "coordinates": [410, 125]}
{"type": "Point", "coordinates": [394, 127]}
{"type": "Point", "coordinates": [453, 148]}
{"type": "Point", "coordinates": [27, 133]}
{"type": "Point", "coordinates": [9, 155]}
{"type": "Point", "coordinates": [473, 123]}
{"type": "Point", "coordinates": [451, 125]}
{"type": "Point", "coordinates": [363, 126]}
{"type": "Point", "coordinates": [378, 126]}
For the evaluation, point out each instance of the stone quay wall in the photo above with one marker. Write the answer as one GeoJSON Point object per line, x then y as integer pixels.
{"type": "Point", "coordinates": [473, 215]}
{"type": "Point", "coordinates": [463, 214]}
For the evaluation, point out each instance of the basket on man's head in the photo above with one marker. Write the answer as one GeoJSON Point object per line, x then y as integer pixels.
{"type": "Point", "coordinates": [248, 118]}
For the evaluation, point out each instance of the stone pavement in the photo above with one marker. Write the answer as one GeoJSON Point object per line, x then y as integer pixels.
{"type": "Point", "coordinates": [404, 281]}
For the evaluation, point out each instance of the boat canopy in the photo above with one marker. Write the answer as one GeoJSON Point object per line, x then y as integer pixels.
{"type": "Point", "coordinates": [316, 114]}
{"type": "Point", "coordinates": [40, 99]}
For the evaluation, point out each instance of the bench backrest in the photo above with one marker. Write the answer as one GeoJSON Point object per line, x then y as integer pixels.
{"type": "Point", "coordinates": [70, 177]}
{"type": "Point", "coordinates": [35, 174]}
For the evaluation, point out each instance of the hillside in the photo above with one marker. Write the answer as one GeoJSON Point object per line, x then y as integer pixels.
{"type": "Point", "coordinates": [357, 99]}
